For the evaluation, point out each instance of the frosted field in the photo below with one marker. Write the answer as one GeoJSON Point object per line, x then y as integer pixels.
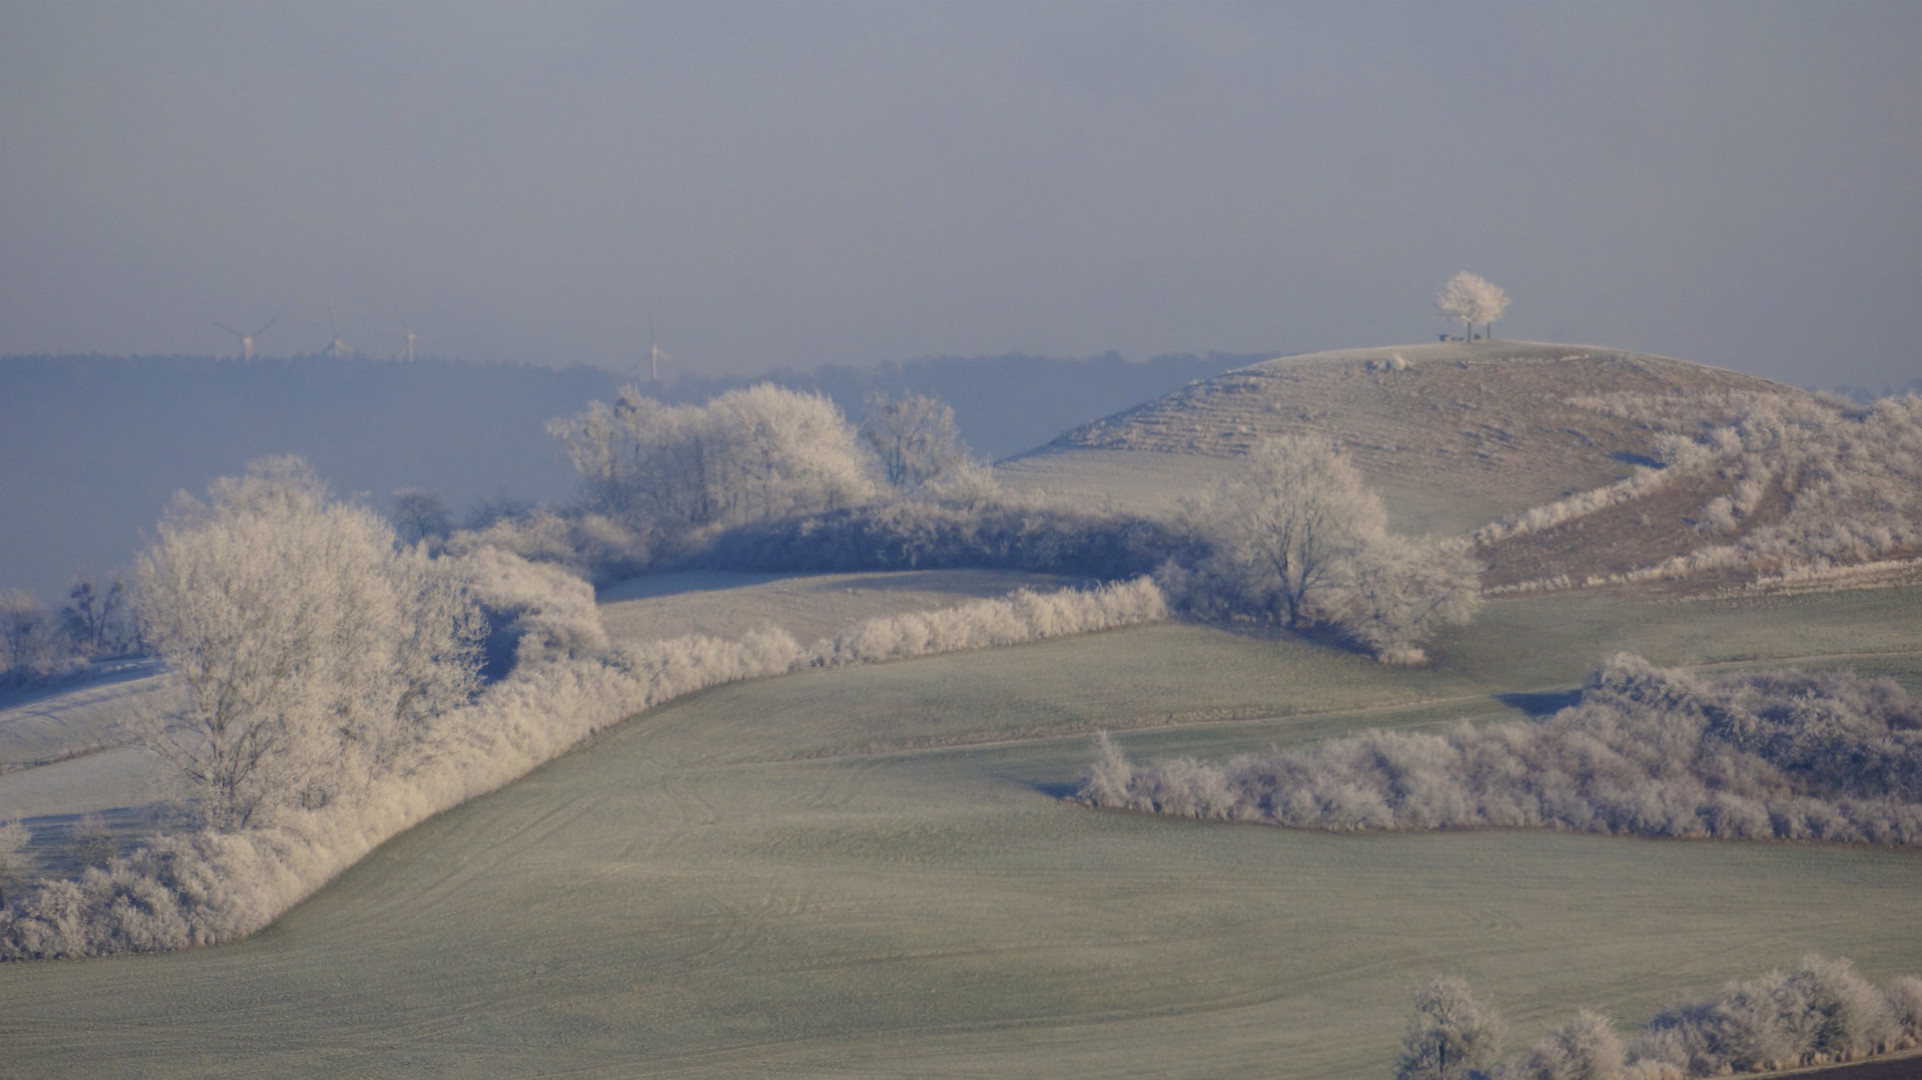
{"type": "Point", "coordinates": [39, 729]}
{"type": "Point", "coordinates": [808, 606]}
{"type": "Point", "coordinates": [867, 872]}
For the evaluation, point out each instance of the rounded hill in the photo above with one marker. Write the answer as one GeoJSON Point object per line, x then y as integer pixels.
{"type": "Point", "coordinates": [1453, 435]}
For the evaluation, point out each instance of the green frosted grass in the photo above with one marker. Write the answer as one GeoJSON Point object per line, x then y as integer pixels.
{"type": "Point", "coordinates": [772, 879]}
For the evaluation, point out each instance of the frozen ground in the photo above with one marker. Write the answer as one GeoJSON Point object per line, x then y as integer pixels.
{"type": "Point", "coordinates": [64, 750]}
{"type": "Point", "coordinates": [807, 606]}
{"type": "Point", "coordinates": [770, 879]}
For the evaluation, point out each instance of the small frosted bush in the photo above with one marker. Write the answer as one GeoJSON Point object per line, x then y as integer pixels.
{"type": "Point", "coordinates": [1584, 1048]}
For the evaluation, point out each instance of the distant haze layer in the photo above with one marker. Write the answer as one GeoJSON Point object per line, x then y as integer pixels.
{"type": "Point", "coordinates": [753, 185]}
{"type": "Point", "coordinates": [93, 448]}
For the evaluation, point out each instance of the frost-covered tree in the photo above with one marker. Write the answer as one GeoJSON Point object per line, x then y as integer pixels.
{"type": "Point", "coordinates": [1453, 1033]}
{"type": "Point", "coordinates": [1396, 594]}
{"type": "Point", "coordinates": [1471, 299]}
{"type": "Point", "coordinates": [1584, 1048]}
{"type": "Point", "coordinates": [747, 455]}
{"type": "Point", "coordinates": [98, 621]}
{"type": "Point", "coordinates": [32, 645]}
{"type": "Point", "coordinates": [14, 862]}
{"type": "Point", "coordinates": [90, 843]}
{"type": "Point", "coordinates": [308, 650]}
{"type": "Point", "coordinates": [1297, 538]}
{"type": "Point", "coordinates": [420, 515]}
{"type": "Point", "coordinates": [1284, 528]}
{"type": "Point", "coordinates": [914, 437]}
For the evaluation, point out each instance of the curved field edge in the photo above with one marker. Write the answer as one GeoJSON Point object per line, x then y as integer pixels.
{"type": "Point", "coordinates": [210, 887]}
{"type": "Point", "coordinates": [685, 899]}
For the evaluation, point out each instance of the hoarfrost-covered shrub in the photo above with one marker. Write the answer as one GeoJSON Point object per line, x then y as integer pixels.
{"type": "Point", "coordinates": [212, 886]}
{"type": "Point", "coordinates": [307, 652]}
{"type": "Point", "coordinates": [591, 546]}
{"type": "Point", "coordinates": [1841, 486]}
{"type": "Point", "coordinates": [1109, 781]}
{"type": "Point", "coordinates": [748, 455]}
{"type": "Point", "coordinates": [1584, 1048]}
{"type": "Point", "coordinates": [535, 612]}
{"type": "Point", "coordinates": [1821, 1012]}
{"type": "Point", "coordinates": [14, 860]}
{"type": "Point", "coordinates": [1453, 1036]}
{"type": "Point", "coordinates": [90, 843]}
{"type": "Point", "coordinates": [1295, 538]}
{"type": "Point", "coordinates": [1905, 1009]}
{"type": "Point", "coordinates": [1024, 616]}
{"type": "Point", "coordinates": [932, 531]}
{"type": "Point", "coordinates": [1646, 750]}
{"type": "Point", "coordinates": [1397, 594]}
{"type": "Point", "coordinates": [914, 437]}
{"type": "Point", "coordinates": [32, 647]}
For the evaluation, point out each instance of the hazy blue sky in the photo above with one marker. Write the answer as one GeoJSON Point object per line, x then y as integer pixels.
{"type": "Point", "coordinates": [789, 184]}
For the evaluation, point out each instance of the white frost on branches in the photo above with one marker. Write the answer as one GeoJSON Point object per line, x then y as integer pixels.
{"type": "Point", "coordinates": [1471, 299]}
{"type": "Point", "coordinates": [1298, 539]}
{"type": "Point", "coordinates": [748, 455]}
{"type": "Point", "coordinates": [213, 885]}
{"type": "Point", "coordinates": [308, 651]}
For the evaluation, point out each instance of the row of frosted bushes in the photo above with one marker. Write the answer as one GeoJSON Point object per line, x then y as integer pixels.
{"type": "Point", "coordinates": [1810, 483]}
{"type": "Point", "coordinates": [208, 887]}
{"type": "Point", "coordinates": [1645, 751]}
{"type": "Point", "coordinates": [912, 533]}
{"type": "Point", "coordinates": [927, 534]}
{"type": "Point", "coordinates": [1821, 1012]}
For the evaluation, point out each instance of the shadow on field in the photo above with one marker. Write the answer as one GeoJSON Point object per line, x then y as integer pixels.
{"type": "Point", "coordinates": [97, 673]}
{"type": "Point", "coordinates": [1055, 789]}
{"type": "Point", "coordinates": [1627, 458]}
{"type": "Point", "coordinates": [1540, 703]}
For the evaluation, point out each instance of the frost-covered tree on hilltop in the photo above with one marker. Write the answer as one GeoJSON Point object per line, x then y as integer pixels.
{"type": "Point", "coordinates": [1471, 299]}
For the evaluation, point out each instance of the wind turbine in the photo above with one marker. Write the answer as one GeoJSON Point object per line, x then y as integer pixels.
{"type": "Point", "coordinates": [411, 336]}
{"type": "Point", "coordinates": [656, 354]}
{"type": "Point", "coordinates": [247, 340]}
{"type": "Point", "coordinates": [337, 348]}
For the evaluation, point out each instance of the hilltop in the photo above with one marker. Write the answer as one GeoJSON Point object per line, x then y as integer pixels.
{"type": "Point", "coordinates": [1563, 461]}
{"type": "Point", "coordinates": [1452, 434]}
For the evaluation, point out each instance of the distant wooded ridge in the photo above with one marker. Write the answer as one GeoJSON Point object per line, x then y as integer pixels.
{"type": "Point", "coordinates": [93, 447]}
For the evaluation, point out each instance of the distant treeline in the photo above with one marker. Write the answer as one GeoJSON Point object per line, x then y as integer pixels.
{"type": "Point", "coordinates": [1005, 405]}
{"type": "Point", "coordinates": [95, 446]}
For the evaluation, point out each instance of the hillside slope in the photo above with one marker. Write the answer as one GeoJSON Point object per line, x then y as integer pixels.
{"type": "Point", "coordinates": [1569, 466]}
{"type": "Point", "coordinates": [1453, 435]}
